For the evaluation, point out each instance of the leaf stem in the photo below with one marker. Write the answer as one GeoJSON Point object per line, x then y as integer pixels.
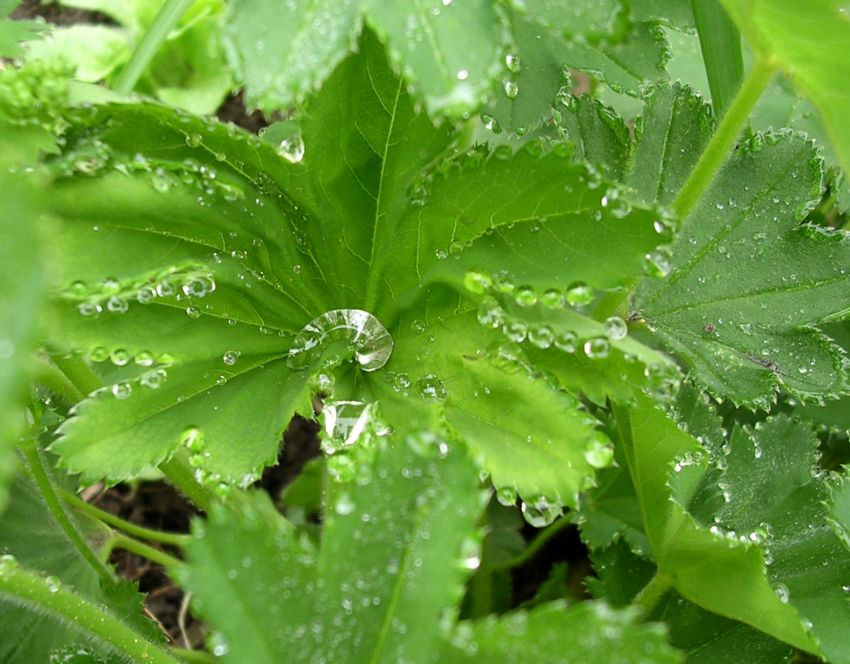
{"type": "Point", "coordinates": [536, 544]}
{"type": "Point", "coordinates": [720, 43]}
{"type": "Point", "coordinates": [724, 137]}
{"type": "Point", "coordinates": [652, 593]}
{"type": "Point", "coordinates": [155, 35]}
{"type": "Point", "coordinates": [56, 381]}
{"type": "Point", "coordinates": [119, 541]}
{"type": "Point", "coordinates": [39, 474]}
{"type": "Point", "coordinates": [175, 539]}
{"type": "Point", "coordinates": [49, 597]}
{"type": "Point", "coordinates": [194, 656]}
{"type": "Point", "coordinates": [78, 372]}
{"type": "Point", "coordinates": [181, 475]}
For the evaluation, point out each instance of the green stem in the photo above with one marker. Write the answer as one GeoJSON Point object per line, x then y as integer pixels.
{"type": "Point", "coordinates": [49, 597]}
{"type": "Point", "coordinates": [724, 138]}
{"type": "Point", "coordinates": [536, 544]}
{"type": "Point", "coordinates": [153, 38]}
{"type": "Point", "coordinates": [720, 42]}
{"type": "Point", "coordinates": [119, 541]}
{"type": "Point", "coordinates": [77, 370]}
{"type": "Point", "coordinates": [57, 382]}
{"type": "Point", "coordinates": [182, 475]}
{"type": "Point", "coordinates": [57, 510]}
{"type": "Point", "coordinates": [194, 656]}
{"type": "Point", "coordinates": [652, 593]}
{"type": "Point", "coordinates": [175, 539]}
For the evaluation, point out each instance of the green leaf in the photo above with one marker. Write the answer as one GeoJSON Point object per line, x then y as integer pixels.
{"type": "Point", "coordinates": [599, 134]}
{"type": "Point", "coordinates": [793, 37]}
{"type": "Point", "coordinates": [673, 12]}
{"type": "Point", "coordinates": [13, 32]}
{"type": "Point", "coordinates": [20, 298]}
{"type": "Point", "coordinates": [29, 533]}
{"type": "Point", "coordinates": [391, 561]}
{"type": "Point", "coordinates": [747, 283]}
{"type": "Point", "coordinates": [593, 630]}
{"type": "Point", "coordinates": [671, 133]}
{"type": "Point", "coordinates": [449, 52]}
{"type": "Point", "coordinates": [94, 51]}
{"type": "Point", "coordinates": [743, 537]}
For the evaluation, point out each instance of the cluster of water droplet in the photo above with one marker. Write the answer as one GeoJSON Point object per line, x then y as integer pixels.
{"type": "Point", "coordinates": [193, 439]}
{"type": "Point", "coordinates": [340, 334]}
{"type": "Point", "coordinates": [351, 434]}
{"type": "Point", "coordinates": [114, 297]}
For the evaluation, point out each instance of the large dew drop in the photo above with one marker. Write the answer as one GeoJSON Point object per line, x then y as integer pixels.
{"type": "Point", "coordinates": [353, 329]}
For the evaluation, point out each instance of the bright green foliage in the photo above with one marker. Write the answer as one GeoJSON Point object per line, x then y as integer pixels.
{"type": "Point", "coordinates": [389, 566]}
{"type": "Point", "coordinates": [12, 33]}
{"type": "Point", "coordinates": [748, 517]}
{"type": "Point", "coordinates": [187, 72]}
{"type": "Point", "coordinates": [595, 634]}
{"type": "Point", "coordinates": [450, 51]}
{"type": "Point", "coordinates": [20, 273]}
{"type": "Point", "coordinates": [353, 217]}
{"type": "Point", "coordinates": [747, 283]}
{"type": "Point", "coordinates": [801, 38]}
{"type": "Point", "coordinates": [29, 533]}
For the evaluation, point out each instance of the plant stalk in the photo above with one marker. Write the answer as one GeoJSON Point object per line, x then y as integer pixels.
{"type": "Point", "coordinates": [42, 480]}
{"type": "Point", "coordinates": [651, 594]}
{"type": "Point", "coordinates": [536, 544]}
{"type": "Point", "coordinates": [155, 35]}
{"type": "Point", "coordinates": [721, 143]}
{"type": "Point", "coordinates": [49, 597]}
{"type": "Point", "coordinates": [175, 539]}
{"type": "Point", "coordinates": [720, 43]}
{"type": "Point", "coordinates": [194, 656]}
{"type": "Point", "coordinates": [119, 541]}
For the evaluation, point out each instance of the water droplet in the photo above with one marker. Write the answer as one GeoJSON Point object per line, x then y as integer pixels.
{"type": "Point", "coordinates": [199, 287]}
{"type": "Point", "coordinates": [78, 289]}
{"type": "Point", "coordinates": [541, 336]}
{"type": "Point", "coordinates": [99, 354]}
{"type": "Point", "coordinates": [119, 357]}
{"type": "Point", "coordinates": [431, 387]}
{"type": "Point", "coordinates": [230, 357]}
{"type": "Point", "coordinates": [490, 123]}
{"type": "Point", "coordinates": [145, 294]}
{"type": "Point", "coordinates": [506, 496]}
{"type": "Point", "coordinates": [579, 294]}
{"type": "Point", "coordinates": [342, 468]}
{"type": "Point", "coordinates": [344, 505]}
{"type": "Point", "coordinates": [462, 75]}
{"type": "Point", "coordinates": [552, 299]}
{"type": "Point", "coordinates": [116, 305]}
{"type": "Point", "coordinates": [490, 313]}
{"type": "Point", "coordinates": [418, 326]}
{"type": "Point", "coordinates": [540, 512]}
{"type": "Point", "coordinates": [89, 309]}
{"type": "Point", "coordinates": [122, 390]}
{"type": "Point", "coordinates": [782, 592]}
{"type": "Point", "coordinates": [525, 296]}
{"type": "Point", "coordinates": [343, 423]}
{"type": "Point", "coordinates": [193, 312]}
{"type": "Point", "coordinates": [515, 330]}
{"type": "Point", "coordinates": [511, 89]}
{"type": "Point", "coordinates": [477, 282]}
{"type": "Point", "coordinates": [194, 140]}
{"type": "Point", "coordinates": [657, 264]}
{"type": "Point", "coordinates": [153, 379]}
{"type": "Point", "coordinates": [144, 358]}
{"type": "Point", "coordinates": [616, 328]}
{"type": "Point", "coordinates": [566, 341]}
{"type": "Point", "coordinates": [193, 439]}
{"type": "Point", "coordinates": [292, 148]}
{"type": "Point", "coordinates": [599, 453]}
{"type": "Point", "coordinates": [597, 348]}
{"type": "Point", "coordinates": [513, 63]}
{"type": "Point", "coordinates": [335, 334]}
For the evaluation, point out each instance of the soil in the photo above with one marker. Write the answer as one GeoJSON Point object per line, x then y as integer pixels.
{"type": "Point", "coordinates": [157, 505]}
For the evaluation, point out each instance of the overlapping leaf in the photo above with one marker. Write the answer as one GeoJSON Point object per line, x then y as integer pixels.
{"type": "Point", "coordinates": [752, 520]}
{"type": "Point", "coordinates": [393, 554]}
{"type": "Point", "coordinates": [236, 246]}
{"type": "Point", "coordinates": [805, 41]}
